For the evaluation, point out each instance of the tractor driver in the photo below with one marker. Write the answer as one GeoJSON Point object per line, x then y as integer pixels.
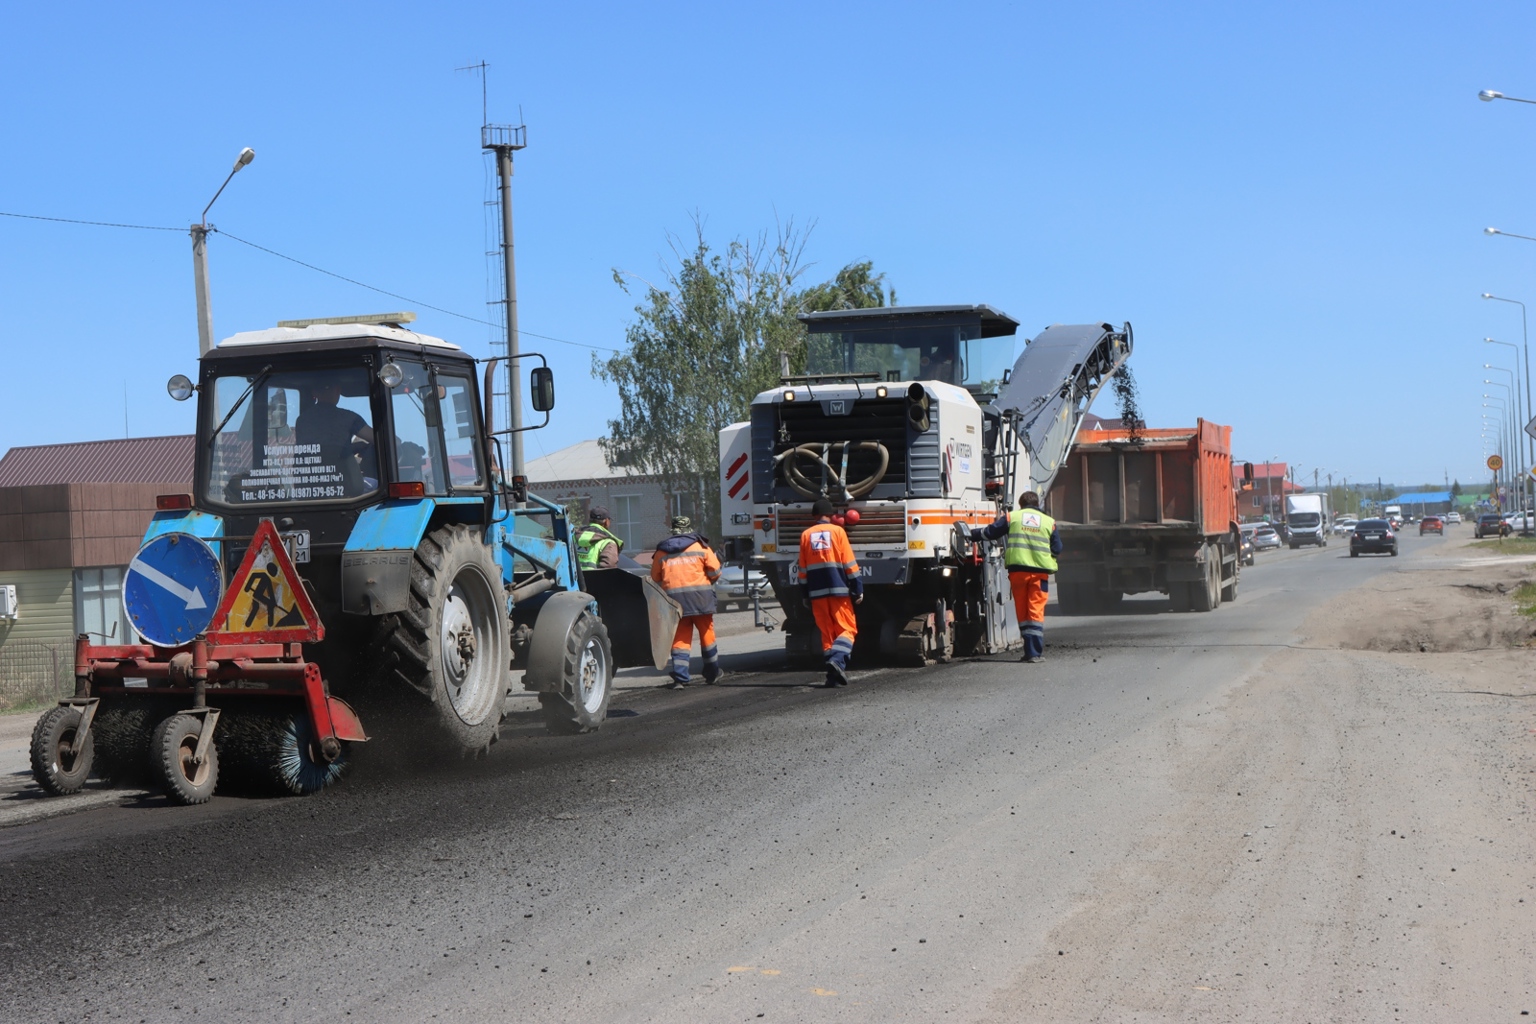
{"type": "Point", "coordinates": [326, 423]}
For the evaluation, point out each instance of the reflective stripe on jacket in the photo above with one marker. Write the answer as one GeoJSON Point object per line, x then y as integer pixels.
{"type": "Point", "coordinates": [827, 565]}
{"type": "Point", "coordinates": [687, 568]}
{"type": "Point", "coordinates": [1031, 541]}
{"type": "Point", "coordinates": [592, 543]}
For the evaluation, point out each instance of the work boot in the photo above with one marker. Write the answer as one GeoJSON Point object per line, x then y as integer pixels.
{"type": "Point", "coordinates": [677, 684]}
{"type": "Point", "coordinates": [1034, 659]}
{"type": "Point", "coordinates": [712, 680]}
{"type": "Point", "coordinates": [836, 676]}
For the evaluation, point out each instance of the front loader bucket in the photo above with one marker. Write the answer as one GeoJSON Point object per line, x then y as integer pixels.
{"type": "Point", "coordinates": [640, 617]}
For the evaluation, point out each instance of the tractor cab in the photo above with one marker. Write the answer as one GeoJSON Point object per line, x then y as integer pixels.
{"type": "Point", "coordinates": [331, 417]}
{"type": "Point", "coordinates": [313, 424]}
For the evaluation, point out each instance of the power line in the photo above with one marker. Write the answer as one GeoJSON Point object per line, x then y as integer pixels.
{"type": "Point", "coordinates": [308, 266]}
{"type": "Point", "coordinates": [92, 223]}
{"type": "Point", "coordinates": [396, 295]}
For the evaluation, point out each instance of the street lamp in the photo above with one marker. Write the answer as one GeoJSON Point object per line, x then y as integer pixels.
{"type": "Point", "coordinates": [1525, 339]}
{"type": "Point", "coordinates": [199, 233]}
{"type": "Point", "coordinates": [1520, 415]}
{"type": "Point", "coordinates": [1489, 95]}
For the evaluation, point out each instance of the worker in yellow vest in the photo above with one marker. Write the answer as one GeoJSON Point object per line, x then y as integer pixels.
{"type": "Point", "coordinates": [1031, 553]}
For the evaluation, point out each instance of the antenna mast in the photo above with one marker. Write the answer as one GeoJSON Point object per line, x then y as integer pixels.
{"type": "Point", "coordinates": [503, 140]}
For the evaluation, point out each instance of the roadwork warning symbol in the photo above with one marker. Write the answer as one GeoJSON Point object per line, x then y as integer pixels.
{"type": "Point", "coordinates": [266, 601]}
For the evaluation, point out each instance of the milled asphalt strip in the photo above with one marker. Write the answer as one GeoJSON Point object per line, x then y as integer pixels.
{"type": "Point", "coordinates": [19, 809]}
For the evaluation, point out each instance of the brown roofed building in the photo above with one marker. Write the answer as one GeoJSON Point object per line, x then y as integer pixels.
{"type": "Point", "coordinates": [71, 518]}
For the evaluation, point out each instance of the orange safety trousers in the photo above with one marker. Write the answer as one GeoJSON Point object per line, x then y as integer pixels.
{"type": "Point", "coordinates": [1030, 590]}
{"type": "Point", "coordinates": [839, 627]}
{"type": "Point", "coordinates": [682, 646]}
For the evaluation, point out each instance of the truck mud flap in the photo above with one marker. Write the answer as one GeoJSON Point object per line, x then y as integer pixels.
{"type": "Point", "coordinates": [640, 617]}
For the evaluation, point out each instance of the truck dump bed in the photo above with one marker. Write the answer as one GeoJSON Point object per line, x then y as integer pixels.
{"type": "Point", "coordinates": [1153, 512]}
{"type": "Point", "coordinates": [1177, 477]}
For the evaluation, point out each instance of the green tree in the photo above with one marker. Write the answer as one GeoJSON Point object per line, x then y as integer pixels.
{"type": "Point", "coordinates": [1455, 488]}
{"type": "Point", "coordinates": [721, 329]}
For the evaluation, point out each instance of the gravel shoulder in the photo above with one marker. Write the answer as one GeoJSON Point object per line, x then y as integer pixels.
{"type": "Point", "coordinates": [1352, 835]}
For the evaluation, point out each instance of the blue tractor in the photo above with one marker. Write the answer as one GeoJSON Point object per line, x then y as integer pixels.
{"type": "Point", "coordinates": [372, 563]}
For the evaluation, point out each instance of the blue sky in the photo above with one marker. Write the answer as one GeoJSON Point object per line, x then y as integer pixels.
{"type": "Point", "coordinates": [1285, 200]}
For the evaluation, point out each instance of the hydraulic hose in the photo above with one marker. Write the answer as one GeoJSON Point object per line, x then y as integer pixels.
{"type": "Point", "coordinates": [822, 455]}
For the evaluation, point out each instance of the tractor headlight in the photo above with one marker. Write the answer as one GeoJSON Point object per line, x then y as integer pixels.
{"type": "Point", "coordinates": [179, 387]}
{"type": "Point", "coordinates": [390, 375]}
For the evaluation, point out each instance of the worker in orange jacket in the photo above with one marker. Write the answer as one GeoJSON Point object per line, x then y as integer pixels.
{"type": "Point", "coordinates": [687, 568]}
{"type": "Point", "coordinates": [829, 579]}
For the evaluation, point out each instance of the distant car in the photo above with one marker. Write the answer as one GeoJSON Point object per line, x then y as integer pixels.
{"type": "Point", "coordinates": [1245, 547]}
{"type": "Point", "coordinates": [732, 589]}
{"type": "Point", "coordinates": [1520, 522]}
{"type": "Point", "coordinates": [1395, 521]}
{"type": "Point", "coordinates": [1491, 524]}
{"type": "Point", "coordinates": [1344, 525]}
{"type": "Point", "coordinates": [1453, 517]}
{"type": "Point", "coordinates": [1265, 538]}
{"type": "Point", "coordinates": [1431, 524]}
{"type": "Point", "coordinates": [1372, 535]}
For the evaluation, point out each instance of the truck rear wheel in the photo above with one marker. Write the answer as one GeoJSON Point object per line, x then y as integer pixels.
{"type": "Point", "coordinates": [450, 645]}
{"type": "Point", "coordinates": [586, 680]}
{"type": "Point", "coordinates": [1206, 596]}
{"type": "Point", "coordinates": [56, 765]}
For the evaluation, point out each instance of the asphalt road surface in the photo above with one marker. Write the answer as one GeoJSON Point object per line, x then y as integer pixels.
{"type": "Point", "coordinates": [1224, 816]}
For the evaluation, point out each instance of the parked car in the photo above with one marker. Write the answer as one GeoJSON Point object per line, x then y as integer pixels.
{"type": "Point", "coordinates": [731, 589]}
{"type": "Point", "coordinates": [1431, 524]}
{"type": "Point", "coordinates": [1265, 538]}
{"type": "Point", "coordinates": [1520, 521]}
{"type": "Point", "coordinates": [1373, 535]}
{"type": "Point", "coordinates": [1453, 517]}
{"type": "Point", "coordinates": [1491, 524]}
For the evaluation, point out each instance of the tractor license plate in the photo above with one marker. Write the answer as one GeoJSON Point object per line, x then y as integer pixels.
{"type": "Point", "coordinates": [297, 544]}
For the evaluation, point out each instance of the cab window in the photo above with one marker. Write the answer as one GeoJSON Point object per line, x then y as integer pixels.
{"type": "Point", "coordinates": [291, 436]}
{"type": "Point", "coordinates": [434, 425]}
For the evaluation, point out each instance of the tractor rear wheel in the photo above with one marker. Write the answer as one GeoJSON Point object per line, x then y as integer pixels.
{"type": "Point", "coordinates": [450, 645]}
{"type": "Point", "coordinates": [586, 680]}
{"type": "Point", "coordinates": [56, 765]}
{"type": "Point", "coordinates": [172, 751]}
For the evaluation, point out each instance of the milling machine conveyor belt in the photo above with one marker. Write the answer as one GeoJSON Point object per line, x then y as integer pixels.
{"type": "Point", "coordinates": [1053, 384]}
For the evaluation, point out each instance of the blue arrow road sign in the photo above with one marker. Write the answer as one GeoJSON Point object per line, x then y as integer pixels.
{"type": "Point", "coordinates": [172, 587]}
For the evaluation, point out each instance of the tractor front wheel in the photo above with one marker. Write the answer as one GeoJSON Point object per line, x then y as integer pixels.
{"type": "Point", "coordinates": [586, 680]}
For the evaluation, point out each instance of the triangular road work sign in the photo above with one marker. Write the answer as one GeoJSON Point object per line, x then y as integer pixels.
{"type": "Point", "coordinates": [265, 601]}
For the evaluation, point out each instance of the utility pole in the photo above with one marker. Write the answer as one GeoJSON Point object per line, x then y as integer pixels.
{"type": "Point", "coordinates": [503, 140]}
{"type": "Point", "coordinates": [199, 232]}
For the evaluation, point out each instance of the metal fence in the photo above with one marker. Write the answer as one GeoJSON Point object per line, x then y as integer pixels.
{"type": "Point", "coordinates": [34, 672]}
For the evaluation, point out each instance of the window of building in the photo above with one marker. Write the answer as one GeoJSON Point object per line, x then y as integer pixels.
{"type": "Point", "coordinates": [99, 605]}
{"type": "Point", "coordinates": [626, 519]}
{"type": "Point", "coordinates": [679, 505]}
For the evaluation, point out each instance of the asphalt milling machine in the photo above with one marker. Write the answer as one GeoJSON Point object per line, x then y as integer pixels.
{"type": "Point", "coordinates": [351, 563]}
{"type": "Point", "coordinates": [918, 423]}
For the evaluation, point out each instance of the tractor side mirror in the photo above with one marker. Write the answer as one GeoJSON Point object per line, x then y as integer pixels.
{"type": "Point", "coordinates": [541, 388]}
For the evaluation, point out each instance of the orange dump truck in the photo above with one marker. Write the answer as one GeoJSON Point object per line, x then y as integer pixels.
{"type": "Point", "coordinates": [1153, 511]}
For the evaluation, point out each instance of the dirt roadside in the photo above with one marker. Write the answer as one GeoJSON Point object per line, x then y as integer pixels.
{"type": "Point", "coordinates": [1354, 837]}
